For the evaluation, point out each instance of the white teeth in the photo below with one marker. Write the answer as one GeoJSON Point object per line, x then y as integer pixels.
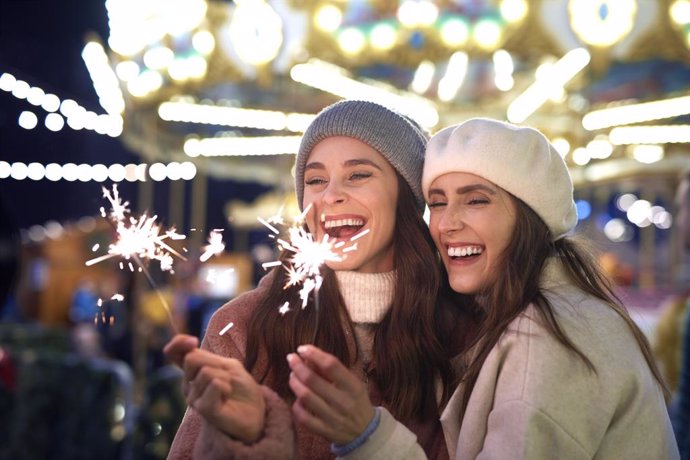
{"type": "Point", "coordinates": [464, 251]}
{"type": "Point", "coordinates": [343, 222]}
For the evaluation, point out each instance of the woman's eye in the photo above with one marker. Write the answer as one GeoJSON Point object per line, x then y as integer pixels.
{"type": "Point", "coordinates": [478, 201]}
{"type": "Point", "coordinates": [360, 175]}
{"type": "Point", "coordinates": [315, 181]}
{"type": "Point", "coordinates": [436, 204]}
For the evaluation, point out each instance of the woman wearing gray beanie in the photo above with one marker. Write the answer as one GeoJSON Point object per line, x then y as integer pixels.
{"type": "Point", "coordinates": [557, 368]}
{"type": "Point", "coordinates": [379, 352]}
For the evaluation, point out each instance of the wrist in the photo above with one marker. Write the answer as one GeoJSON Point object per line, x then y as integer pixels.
{"type": "Point", "coordinates": [343, 449]}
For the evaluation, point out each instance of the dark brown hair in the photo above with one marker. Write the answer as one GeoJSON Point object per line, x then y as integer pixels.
{"type": "Point", "coordinates": [408, 350]}
{"type": "Point", "coordinates": [517, 286]}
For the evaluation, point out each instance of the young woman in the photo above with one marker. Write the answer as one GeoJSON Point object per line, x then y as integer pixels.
{"type": "Point", "coordinates": [358, 168]}
{"type": "Point", "coordinates": [556, 369]}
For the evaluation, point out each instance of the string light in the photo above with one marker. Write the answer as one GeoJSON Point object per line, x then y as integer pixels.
{"type": "Point", "coordinates": [336, 80]}
{"type": "Point", "coordinates": [72, 172]}
{"type": "Point", "coordinates": [233, 116]}
{"type": "Point", "coordinates": [75, 116]}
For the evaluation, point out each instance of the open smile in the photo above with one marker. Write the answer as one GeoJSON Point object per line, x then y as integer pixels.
{"type": "Point", "coordinates": [342, 227]}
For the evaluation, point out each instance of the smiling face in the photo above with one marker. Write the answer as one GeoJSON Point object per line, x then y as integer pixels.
{"type": "Point", "coordinates": [352, 189]}
{"type": "Point", "coordinates": [472, 222]}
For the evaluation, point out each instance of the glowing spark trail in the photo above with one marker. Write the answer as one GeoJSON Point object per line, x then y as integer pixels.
{"type": "Point", "coordinates": [215, 245]}
{"type": "Point", "coordinates": [309, 254]}
{"type": "Point", "coordinates": [226, 328]}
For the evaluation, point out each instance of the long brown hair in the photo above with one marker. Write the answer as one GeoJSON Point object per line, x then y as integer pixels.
{"type": "Point", "coordinates": [408, 350]}
{"type": "Point", "coordinates": [517, 286]}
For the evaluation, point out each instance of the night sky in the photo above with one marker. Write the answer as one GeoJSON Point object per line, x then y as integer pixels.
{"type": "Point", "coordinates": [41, 43]}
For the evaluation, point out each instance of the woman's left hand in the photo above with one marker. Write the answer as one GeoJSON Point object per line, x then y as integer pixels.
{"type": "Point", "coordinates": [331, 401]}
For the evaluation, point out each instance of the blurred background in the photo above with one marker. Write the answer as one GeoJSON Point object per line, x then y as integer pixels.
{"type": "Point", "coordinates": [192, 111]}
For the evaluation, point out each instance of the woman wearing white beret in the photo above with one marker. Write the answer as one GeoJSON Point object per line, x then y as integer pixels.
{"type": "Point", "coordinates": [558, 368]}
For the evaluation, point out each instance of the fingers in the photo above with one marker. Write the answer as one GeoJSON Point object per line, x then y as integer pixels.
{"type": "Point", "coordinates": [328, 367]}
{"type": "Point", "coordinates": [312, 423]}
{"type": "Point", "coordinates": [197, 359]}
{"type": "Point", "coordinates": [209, 386]}
{"type": "Point", "coordinates": [311, 400]}
{"type": "Point", "coordinates": [330, 400]}
{"type": "Point", "coordinates": [179, 346]}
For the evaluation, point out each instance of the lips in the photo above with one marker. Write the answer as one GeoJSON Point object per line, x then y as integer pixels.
{"type": "Point", "coordinates": [341, 226]}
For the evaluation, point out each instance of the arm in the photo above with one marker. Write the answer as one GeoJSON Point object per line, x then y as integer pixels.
{"type": "Point", "coordinates": [334, 403]}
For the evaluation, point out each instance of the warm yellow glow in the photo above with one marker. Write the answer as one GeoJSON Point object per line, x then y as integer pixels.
{"type": "Point", "coordinates": [134, 25]}
{"type": "Point", "coordinates": [455, 74]}
{"type": "Point", "coordinates": [158, 57]}
{"type": "Point", "coordinates": [561, 145]}
{"type": "Point", "coordinates": [599, 148]}
{"type": "Point", "coordinates": [413, 13]}
{"type": "Point", "coordinates": [636, 113]}
{"type": "Point", "coordinates": [126, 70]}
{"type": "Point", "coordinates": [455, 32]}
{"type": "Point", "coordinates": [328, 18]}
{"type": "Point", "coordinates": [423, 77]}
{"type": "Point", "coordinates": [648, 154]}
{"type": "Point", "coordinates": [145, 83]}
{"type": "Point", "coordinates": [680, 12]}
{"type": "Point", "coordinates": [233, 116]}
{"type": "Point", "coordinates": [487, 34]}
{"type": "Point", "coordinates": [204, 42]}
{"type": "Point", "coordinates": [336, 80]}
{"type": "Point", "coordinates": [383, 36]}
{"type": "Point", "coordinates": [503, 70]}
{"type": "Point", "coordinates": [351, 40]}
{"type": "Point", "coordinates": [103, 77]}
{"type": "Point", "coordinates": [588, 23]}
{"type": "Point", "coordinates": [256, 31]}
{"type": "Point", "coordinates": [549, 81]}
{"type": "Point", "coordinates": [234, 146]}
{"type": "Point", "coordinates": [514, 10]}
{"type": "Point", "coordinates": [658, 134]}
{"type": "Point", "coordinates": [581, 156]}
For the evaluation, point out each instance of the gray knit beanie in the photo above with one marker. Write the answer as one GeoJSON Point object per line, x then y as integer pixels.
{"type": "Point", "coordinates": [398, 138]}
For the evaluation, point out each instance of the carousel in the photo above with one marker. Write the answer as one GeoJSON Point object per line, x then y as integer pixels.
{"type": "Point", "coordinates": [230, 86]}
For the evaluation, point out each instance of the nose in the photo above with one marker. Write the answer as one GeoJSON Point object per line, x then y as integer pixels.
{"type": "Point", "coordinates": [334, 193]}
{"type": "Point", "coordinates": [450, 221]}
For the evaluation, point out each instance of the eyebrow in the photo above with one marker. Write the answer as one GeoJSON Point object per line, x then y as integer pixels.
{"type": "Point", "coordinates": [348, 163]}
{"type": "Point", "coordinates": [465, 189]}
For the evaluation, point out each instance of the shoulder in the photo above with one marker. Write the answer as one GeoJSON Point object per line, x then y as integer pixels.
{"type": "Point", "coordinates": [227, 329]}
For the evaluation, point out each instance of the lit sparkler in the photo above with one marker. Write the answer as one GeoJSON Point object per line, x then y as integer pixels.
{"type": "Point", "coordinates": [309, 255]}
{"type": "Point", "coordinates": [137, 238]}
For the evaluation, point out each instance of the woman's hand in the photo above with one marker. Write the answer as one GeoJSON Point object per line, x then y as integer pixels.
{"type": "Point", "coordinates": [330, 400]}
{"type": "Point", "coordinates": [219, 388]}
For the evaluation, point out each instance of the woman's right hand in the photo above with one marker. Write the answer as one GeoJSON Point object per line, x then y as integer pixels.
{"type": "Point", "coordinates": [220, 389]}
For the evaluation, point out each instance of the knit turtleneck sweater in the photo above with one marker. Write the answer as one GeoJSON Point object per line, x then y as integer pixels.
{"type": "Point", "coordinates": [368, 298]}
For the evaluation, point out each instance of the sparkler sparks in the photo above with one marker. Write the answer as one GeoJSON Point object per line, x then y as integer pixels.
{"type": "Point", "coordinates": [137, 238]}
{"type": "Point", "coordinates": [215, 245]}
{"type": "Point", "coordinates": [309, 254]}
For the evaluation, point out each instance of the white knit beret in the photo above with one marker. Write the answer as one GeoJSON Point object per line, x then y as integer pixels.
{"type": "Point", "coordinates": [518, 159]}
{"type": "Point", "coordinates": [395, 136]}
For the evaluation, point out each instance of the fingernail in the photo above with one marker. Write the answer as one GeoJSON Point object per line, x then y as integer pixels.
{"type": "Point", "coordinates": [290, 357]}
{"type": "Point", "coordinates": [302, 349]}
